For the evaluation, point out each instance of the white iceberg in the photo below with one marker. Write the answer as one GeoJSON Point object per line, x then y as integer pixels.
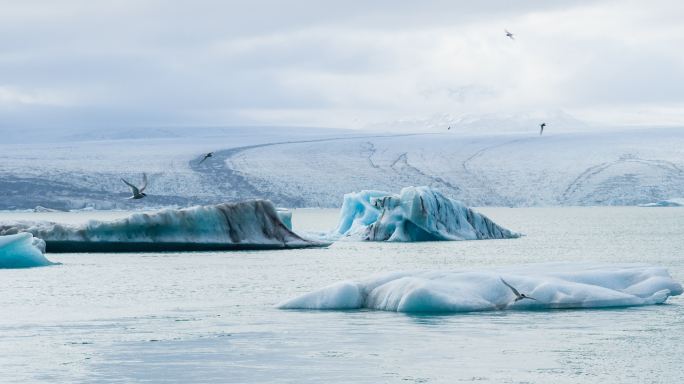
{"type": "Point", "coordinates": [22, 251]}
{"type": "Point", "coordinates": [251, 224]}
{"type": "Point", "coordinates": [665, 203]}
{"type": "Point", "coordinates": [416, 214]}
{"type": "Point", "coordinates": [555, 285]}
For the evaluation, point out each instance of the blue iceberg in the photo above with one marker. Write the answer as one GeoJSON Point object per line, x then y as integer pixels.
{"type": "Point", "coordinates": [416, 214]}
{"type": "Point", "coordinates": [22, 251]}
{"type": "Point", "coordinates": [245, 225]}
{"type": "Point", "coordinates": [285, 216]}
{"type": "Point", "coordinates": [550, 286]}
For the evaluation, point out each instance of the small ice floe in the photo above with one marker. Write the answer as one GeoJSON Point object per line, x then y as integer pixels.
{"type": "Point", "coordinates": [546, 286]}
{"type": "Point", "coordinates": [415, 214]}
{"type": "Point", "coordinates": [41, 209]}
{"type": "Point", "coordinates": [22, 251]}
{"type": "Point", "coordinates": [251, 224]}
{"type": "Point", "coordinates": [665, 203]}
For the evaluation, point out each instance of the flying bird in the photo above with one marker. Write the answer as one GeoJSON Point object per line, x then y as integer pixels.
{"type": "Point", "coordinates": [518, 296]}
{"type": "Point", "coordinates": [509, 35]}
{"type": "Point", "coordinates": [542, 126]}
{"type": "Point", "coordinates": [137, 192]}
{"type": "Point", "coordinates": [208, 155]}
{"type": "Point", "coordinates": [449, 129]}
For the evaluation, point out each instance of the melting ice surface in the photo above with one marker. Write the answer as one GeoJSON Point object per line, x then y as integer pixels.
{"type": "Point", "coordinates": [556, 285]}
{"type": "Point", "coordinates": [22, 251]}
{"type": "Point", "coordinates": [416, 214]}
{"type": "Point", "coordinates": [246, 225]}
{"type": "Point", "coordinates": [665, 203]}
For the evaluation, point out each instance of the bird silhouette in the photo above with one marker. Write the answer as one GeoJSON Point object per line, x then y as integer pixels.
{"type": "Point", "coordinates": [208, 155]}
{"type": "Point", "coordinates": [137, 192]}
{"type": "Point", "coordinates": [542, 126]}
{"type": "Point", "coordinates": [509, 35]}
{"type": "Point", "coordinates": [518, 296]}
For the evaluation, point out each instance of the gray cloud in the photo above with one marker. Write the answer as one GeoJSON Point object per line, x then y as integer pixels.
{"type": "Point", "coordinates": [340, 64]}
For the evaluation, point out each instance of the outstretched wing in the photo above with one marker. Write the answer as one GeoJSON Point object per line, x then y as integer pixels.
{"type": "Point", "coordinates": [204, 158]}
{"type": "Point", "coordinates": [133, 187]}
{"type": "Point", "coordinates": [517, 294]}
{"type": "Point", "coordinates": [144, 182]}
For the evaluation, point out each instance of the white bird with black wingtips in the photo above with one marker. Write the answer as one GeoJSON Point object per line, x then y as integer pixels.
{"type": "Point", "coordinates": [138, 193]}
{"type": "Point", "coordinates": [518, 296]}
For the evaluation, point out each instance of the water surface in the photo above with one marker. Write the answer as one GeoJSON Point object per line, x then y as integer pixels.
{"type": "Point", "coordinates": [210, 317]}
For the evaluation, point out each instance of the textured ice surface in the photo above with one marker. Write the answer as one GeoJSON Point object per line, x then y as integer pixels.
{"type": "Point", "coordinates": [625, 167]}
{"type": "Point", "coordinates": [557, 285]}
{"type": "Point", "coordinates": [416, 214]}
{"type": "Point", "coordinates": [294, 169]}
{"type": "Point", "coordinates": [665, 203]}
{"type": "Point", "coordinates": [285, 216]}
{"type": "Point", "coordinates": [251, 224]}
{"type": "Point", "coordinates": [22, 251]}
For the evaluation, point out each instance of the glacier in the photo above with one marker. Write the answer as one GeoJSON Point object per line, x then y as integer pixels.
{"type": "Point", "coordinates": [416, 214]}
{"type": "Point", "coordinates": [593, 167]}
{"type": "Point", "coordinates": [22, 251]}
{"type": "Point", "coordinates": [552, 285]}
{"type": "Point", "coordinates": [253, 224]}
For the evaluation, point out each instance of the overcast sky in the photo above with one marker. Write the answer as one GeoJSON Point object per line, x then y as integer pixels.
{"type": "Point", "coordinates": [346, 64]}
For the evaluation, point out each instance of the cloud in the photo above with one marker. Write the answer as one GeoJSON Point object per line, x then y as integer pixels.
{"type": "Point", "coordinates": [347, 64]}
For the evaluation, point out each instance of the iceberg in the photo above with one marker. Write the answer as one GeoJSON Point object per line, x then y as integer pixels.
{"type": "Point", "coordinates": [22, 251]}
{"type": "Point", "coordinates": [285, 216]}
{"type": "Point", "coordinates": [665, 203]}
{"type": "Point", "coordinates": [551, 285]}
{"type": "Point", "coordinates": [416, 214]}
{"type": "Point", "coordinates": [246, 225]}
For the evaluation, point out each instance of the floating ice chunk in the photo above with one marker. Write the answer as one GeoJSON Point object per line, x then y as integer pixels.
{"type": "Point", "coordinates": [359, 211]}
{"type": "Point", "coordinates": [285, 216]}
{"type": "Point", "coordinates": [22, 251]}
{"type": "Point", "coordinates": [665, 203]}
{"type": "Point", "coordinates": [247, 225]}
{"type": "Point", "coordinates": [416, 214]}
{"type": "Point", "coordinates": [341, 295]}
{"type": "Point", "coordinates": [553, 285]}
{"type": "Point", "coordinates": [40, 208]}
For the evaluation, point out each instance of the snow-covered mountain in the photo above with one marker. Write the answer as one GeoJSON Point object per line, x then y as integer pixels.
{"type": "Point", "coordinates": [316, 167]}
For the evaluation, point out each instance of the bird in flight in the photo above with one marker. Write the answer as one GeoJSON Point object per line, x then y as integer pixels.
{"type": "Point", "coordinates": [208, 155]}
{"type": "Point", "coordinates": [542, 126]}
{"type": "Point", "coordinates": [509, 35]}
{"type": "Point", "coordinates": [449, 129]}
{"type": "Point", "coordinates": [518, 296]}
{"type": "Point", "coordinates": [137, 192]}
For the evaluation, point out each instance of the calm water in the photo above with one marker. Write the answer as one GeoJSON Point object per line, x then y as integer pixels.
{"type": "Point", "coordinates": [209, 317]}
